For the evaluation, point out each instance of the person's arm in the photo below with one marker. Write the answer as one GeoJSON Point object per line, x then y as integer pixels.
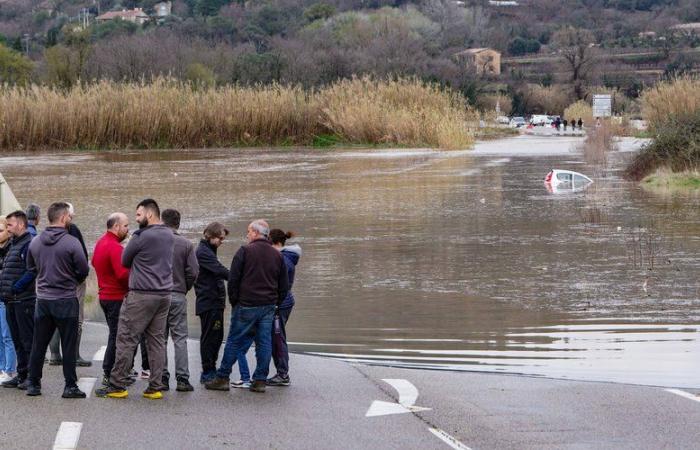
{"type": "Point", "coordinates": [235, 275]}
{"type": "Point", "coordinates": [80, 263]}
{"type": "Point", "coordinates": [207, 260]}
{"type": "Point", "coordinates": [29, 275]}
{"type": "Point", "coordinates": [191, 267]}
{"type": "Point", "coordinates": [132, 248]}
{"type": "Point", "coordinates": [121, 273]}
{"type": "Point", "coordinates": [282, 282]}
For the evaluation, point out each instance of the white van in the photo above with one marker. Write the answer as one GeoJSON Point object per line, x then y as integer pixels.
{"type": "Point", "coordinates": [540, 120]}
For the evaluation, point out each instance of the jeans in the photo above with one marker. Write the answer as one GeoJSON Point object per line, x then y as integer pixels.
{"type": "Point", "coordinates": [111, 310]}
{"type": "Point", "coordinates": [20, 318]}
{"type": "Point", "coordinates": [241, 359]}
{"type": "Point", "coordinates": [49, 316]}
{"type": "Point", "coordinates": [244, 319]}
{"type": "Point", "coordinates": [8, 359]}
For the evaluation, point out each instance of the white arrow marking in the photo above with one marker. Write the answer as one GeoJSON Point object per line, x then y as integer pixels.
{"type": "Point", "coordinates": [447, 439]}
{"type": "Point", "coordinates": [100, 354]}
{"type": "Point", "coordinates": [687, 395]}
{"type": "Point", "coordinates": [67, 436]}
{"type": "Point", "coordinates": [408, 394]}
{"type": "Point", "coordinates": [86, 385]}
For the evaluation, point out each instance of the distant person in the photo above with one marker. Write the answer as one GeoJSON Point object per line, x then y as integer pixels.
{"type": "Point", "coordinates": [54, 346]}
{"type": "Point", "coordinates": [33, 212]}
{"type": "Point", "coordinates": [8, 359]}
{"type": "Point", "coordinates": [280, 352]}
{"type": "Point", "coordinates": [573, 124]}
{"type": "Point", "coordinates": [566, 123]}
{"type": "Point", "coordinates": [60, 265]}
{"type": "Point", "coordinates": [149, 255]}
{"type": "Point", "coordinates": [597, 122]}
{"type": "Point", "coordinates": [185, 270]}
{"type": "Point", "coordinates": [18, 291]}
{"type": "Point", "coordinates": [210, 289]}
{"type": "Point", "coordinates": [112, 282]}
{"type": "Point", "coordinates": [580, 124]}
{"type": "Point", "coordinates": [257, 284]}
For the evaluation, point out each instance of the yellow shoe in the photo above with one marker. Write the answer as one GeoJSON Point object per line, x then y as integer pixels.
{"type": "Point", "coordinates": [118, 394]}
{"type": "Point", "coordinates": [111, 392]}
{"type": "Point", "coordinates": [152, 394]}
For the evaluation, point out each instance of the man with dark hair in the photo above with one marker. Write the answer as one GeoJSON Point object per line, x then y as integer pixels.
{"type": "Point", "coordinates": [185, 270]}
{"type": "Point", "coordinates": [210, 288]}
{"type": "Point", "coordinates": [257, 284]}
{"type": "Point", "coordinates": [112, 282]}
{"type": "Point", "coordinates": [33, 212]}
{"type": "Point", "coordinates": [60, 264]}
{"type": "Point", "coordinates": [17, 290]}
{"type": "Point", "coordinates": [54, 346]}
{"type": "Point", "coordinates": [149, 255]}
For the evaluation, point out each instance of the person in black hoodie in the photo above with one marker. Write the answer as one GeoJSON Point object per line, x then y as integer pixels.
{"type": "Point", "coordinates": [60, 265]}
{"type": "Point", "coordinates": [211, 297]}
{"type": "Point", "coordinates": [17, 290]}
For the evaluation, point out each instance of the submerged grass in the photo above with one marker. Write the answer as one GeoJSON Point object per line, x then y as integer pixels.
{"type": "Point", "coordinates": [167, 113]}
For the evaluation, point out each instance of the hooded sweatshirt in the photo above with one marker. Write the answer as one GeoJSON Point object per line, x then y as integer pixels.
{"type": "Point", "coordinates": [149, 255]}
{"type": "Point", "coordinates": [59, 262]}
{"type": "Point", "coordinates": [291, 254]}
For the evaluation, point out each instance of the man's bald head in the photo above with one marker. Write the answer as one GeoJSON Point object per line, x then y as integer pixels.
{"type": "Point", "coordinates": [118, 224]}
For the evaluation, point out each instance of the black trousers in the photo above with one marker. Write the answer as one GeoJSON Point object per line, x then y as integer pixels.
{"type": "Point", "coordinates": [50, 315]}
{"type": "Point", "coordinates": [20, 319]}
{"type": "Point", "coordinates": [212, 337]}
{"type": "Point", "coordinates": [111, 310]}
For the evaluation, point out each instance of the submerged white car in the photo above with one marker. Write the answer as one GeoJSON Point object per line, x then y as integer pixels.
{"type": "Point", "coordinates": [558, 180]}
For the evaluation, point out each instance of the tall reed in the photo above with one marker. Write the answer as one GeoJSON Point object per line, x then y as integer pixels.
{"type": "Point", "coordinates": [168, 113]}
{"type": "Point", "coordinates": [670, 99]}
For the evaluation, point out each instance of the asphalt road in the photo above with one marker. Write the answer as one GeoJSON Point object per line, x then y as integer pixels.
{"type": "Point", "coordinates": [328, 404]}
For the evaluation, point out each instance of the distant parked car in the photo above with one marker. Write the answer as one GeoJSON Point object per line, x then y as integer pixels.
{"type": "Point", "coordinates": [517, 122]}
{"type": "Point", "coordinates": [540, 120]}
{"type": "Point", "coordinates": [502, 120]}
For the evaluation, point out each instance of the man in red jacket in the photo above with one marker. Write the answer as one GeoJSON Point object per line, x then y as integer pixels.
{"type": "Point", "coordinates": [112, 280]}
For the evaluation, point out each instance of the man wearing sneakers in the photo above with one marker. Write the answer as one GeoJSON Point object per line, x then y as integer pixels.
{"type": "Point", "coordinates": [60, 265]}
{"type": "Point", "coordinates": [258, 283]}
{"type": "Point", "coordinates": [112, 281]}
{"type": "Point", "coordinates": [185, 270]}
{"type": "Point", "coordinates": [149, 256]}
{"type": "Point", "coordinates": [17, 290]}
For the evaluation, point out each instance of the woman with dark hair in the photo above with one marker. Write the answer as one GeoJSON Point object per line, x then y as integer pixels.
{"type": "Point", "coordinates": [280, 352]}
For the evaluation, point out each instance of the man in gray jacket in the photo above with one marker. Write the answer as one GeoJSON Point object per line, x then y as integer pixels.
{"type": "Point", "coordinates": [185, 271]}
{"type": "Point", "coordinates": [60, 264]}
{"type": "Point", "coordinates": [149, 255]}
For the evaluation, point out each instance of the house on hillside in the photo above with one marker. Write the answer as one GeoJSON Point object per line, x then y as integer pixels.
{"type": "Point", "coordinates": [163, 9]}
{"type": "Point", "coordinates": [686, 28]}
{"type": "Point", "coordinates": [481, 61]}
{"type": "Point", "coordinates": [135, 15]}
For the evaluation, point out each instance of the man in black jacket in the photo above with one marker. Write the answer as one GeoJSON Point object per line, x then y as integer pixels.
{"type": "Point", "coordinates": [17, 290]}
{"type": "Point", "coordinates": [211, 298]}
{"type": "Point", "coordinates": [60, 265]}
{"type": "Point", "coordinates": [257, 285]}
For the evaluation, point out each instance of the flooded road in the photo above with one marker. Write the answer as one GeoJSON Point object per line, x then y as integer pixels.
{"type": "Point", "coordinates": [453, 260]}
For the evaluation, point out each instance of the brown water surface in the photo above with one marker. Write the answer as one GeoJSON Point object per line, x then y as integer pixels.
{"type": "Point", "coordinates": [450, 260]}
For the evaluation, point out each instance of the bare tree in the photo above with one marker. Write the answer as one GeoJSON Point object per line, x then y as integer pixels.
{"type": "Point", "coordinates": [576, 46]}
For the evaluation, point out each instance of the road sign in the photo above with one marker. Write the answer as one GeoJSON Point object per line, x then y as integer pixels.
{"type": "Point", "coordinates": [602, 105]}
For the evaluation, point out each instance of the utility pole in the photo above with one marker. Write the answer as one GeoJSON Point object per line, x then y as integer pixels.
{"type": "Point", "coordinates": [26, 44]}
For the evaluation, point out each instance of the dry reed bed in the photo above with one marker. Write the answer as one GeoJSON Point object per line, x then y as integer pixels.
{"type": "Point", "coordinates": [167, 113]}
{"type": "Point", "coordinates": [667, 100]}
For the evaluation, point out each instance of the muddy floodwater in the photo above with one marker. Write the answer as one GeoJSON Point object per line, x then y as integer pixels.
{"type": "Point", "coordinates": [458, 260]}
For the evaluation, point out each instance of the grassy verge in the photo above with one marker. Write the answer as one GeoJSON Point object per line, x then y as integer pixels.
{"type": "Point", "coordinates": [665, 180]}
{"type": "Point", "coordinates": [169, 114]}
{"type": "Point", "coordinates": [492, 133]}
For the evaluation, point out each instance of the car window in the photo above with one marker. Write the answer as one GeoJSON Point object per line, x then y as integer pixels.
{"type": "Point", "coordinates": [564, 177]}
{"type": "Point", "coordinates": [579, 180]}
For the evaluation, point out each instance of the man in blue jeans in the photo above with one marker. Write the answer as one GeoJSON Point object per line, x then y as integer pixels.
{"type": "Point", "coordinates": [257, 284]}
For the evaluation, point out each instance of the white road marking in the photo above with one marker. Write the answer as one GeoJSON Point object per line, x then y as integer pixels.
{"type": "Point", "coordinates": [408, 394]}
{"type": "Point", "coordinates": [447, 439]}
{"type": "Point", "coordinates": [87, 385]}
{"type": "Point", "coordinates": [100, 354]}
{"type": "Point", "coordinates": [67, 436]}
{"type": "Point", "coordinates": [687, 395]}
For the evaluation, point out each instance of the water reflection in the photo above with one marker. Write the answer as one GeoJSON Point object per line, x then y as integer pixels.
{"type": "Point", "coordinates": [454, 260]}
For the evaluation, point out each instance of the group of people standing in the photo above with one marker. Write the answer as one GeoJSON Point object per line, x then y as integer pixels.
{"type": "Point", "coordinates": [142, 291]}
